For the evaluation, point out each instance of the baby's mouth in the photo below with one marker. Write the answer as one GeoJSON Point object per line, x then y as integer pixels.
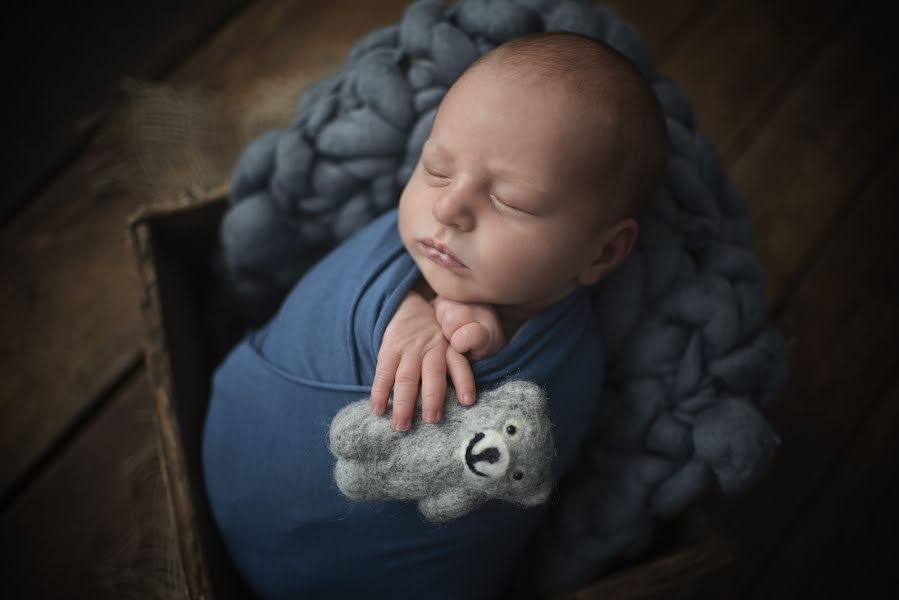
{"type": "Point", "coordinates": [440, 254]}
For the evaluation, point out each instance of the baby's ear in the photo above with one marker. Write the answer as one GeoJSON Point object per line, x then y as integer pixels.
{"type": "Point", "coordinates": [610, 248]}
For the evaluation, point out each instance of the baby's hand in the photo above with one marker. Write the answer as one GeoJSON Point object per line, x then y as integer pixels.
{"type": "Point", "coordinates": [414, 347]}
{"type": "Point", "coordinates": [472, 329]}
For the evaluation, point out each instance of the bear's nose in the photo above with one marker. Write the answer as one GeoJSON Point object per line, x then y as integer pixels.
{"type": "Point", "coordinates": [487, 455]}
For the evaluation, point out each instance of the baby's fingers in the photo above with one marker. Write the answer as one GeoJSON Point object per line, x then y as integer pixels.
{"type": "Point", "coordinates": [461, 375]}
{"type": "Point", "coordinates": [473, 338]}
{"type": "Point", "coordinates": [433, 385]}
{"type": "Point", "coordinates": [385, 372]}
{"type": "Point", "coordinates": [405, 392]}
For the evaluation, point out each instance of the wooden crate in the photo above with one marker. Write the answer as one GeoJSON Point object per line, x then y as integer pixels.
{"type": "Point", "coordinates": [172, 245]}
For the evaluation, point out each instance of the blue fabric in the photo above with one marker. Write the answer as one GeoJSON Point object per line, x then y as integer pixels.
{"type": "Point", "coordinates": [268, 471]}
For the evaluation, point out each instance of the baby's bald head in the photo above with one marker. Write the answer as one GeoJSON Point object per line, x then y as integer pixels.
{"type": "Point", "coordinates": [611, 99]}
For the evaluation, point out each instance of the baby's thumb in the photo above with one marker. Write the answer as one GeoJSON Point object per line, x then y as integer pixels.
{"type": "Point", "coordinates": [471, 337]}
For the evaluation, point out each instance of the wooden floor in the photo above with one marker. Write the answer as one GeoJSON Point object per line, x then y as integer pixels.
{"type": "Point", "coordinates": [799, 97]}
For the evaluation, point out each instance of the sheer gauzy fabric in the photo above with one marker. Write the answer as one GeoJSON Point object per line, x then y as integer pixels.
{"type": "Point", "coordinates": [689, 358]}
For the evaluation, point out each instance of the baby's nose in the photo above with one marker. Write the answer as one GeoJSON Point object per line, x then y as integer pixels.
{"type": "Point", "coordinates": [454, 207]}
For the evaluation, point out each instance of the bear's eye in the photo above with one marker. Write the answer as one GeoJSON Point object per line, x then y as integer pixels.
{"type": "Point", "coordinates": [511, 431]}
{"type": "Point", "coordinates": [518, 475]}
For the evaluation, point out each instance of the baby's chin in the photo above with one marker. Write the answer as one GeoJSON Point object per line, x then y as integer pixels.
{"type": "Point", "coordinates": [452, 286]}
{"type": "Point", "coordinates": [437, 287]}
{"type": "Point", "coordinates": [436, 284]}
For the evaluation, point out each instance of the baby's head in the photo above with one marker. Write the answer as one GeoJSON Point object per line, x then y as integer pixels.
{"type": "Point", "coordinates": [540, 158]}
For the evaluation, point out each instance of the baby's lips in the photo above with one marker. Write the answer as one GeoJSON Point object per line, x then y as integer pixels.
{"type": "Point", "coordinates": [441, 254]}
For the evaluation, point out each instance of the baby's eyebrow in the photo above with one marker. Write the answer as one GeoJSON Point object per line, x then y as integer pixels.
{"type": "Point", "coordinates": [436, 147]}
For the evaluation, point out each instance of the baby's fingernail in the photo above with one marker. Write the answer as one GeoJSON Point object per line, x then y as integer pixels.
{"type": "Point", "coordinates": [401, 424]}
{"type": "Point", "coordinates": [432, 416]}
{"type": "Point", "coordinates": [468, 398]}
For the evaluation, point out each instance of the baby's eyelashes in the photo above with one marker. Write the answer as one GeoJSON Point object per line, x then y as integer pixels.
{"type": "Point", "coordinates": [437, 179]}
{"type": "Point", "coordinates": [502, 205]}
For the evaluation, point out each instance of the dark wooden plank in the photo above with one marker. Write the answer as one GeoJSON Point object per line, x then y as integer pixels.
{"type": "Point", "coordinates": [868, 558]}
{"type": "Point", "coordinates": [736, 62]}
{"type": "Point", "coordinates": [844, 315]}
{"type": "Point", "coordinates": [673, 573]}
{"type": "Point", "coordinates": [822, 144]}
{"type": "Point", "coordinates": [840, 530]}
{"type": "Point", "coordinates": [70, 325]}
{"type": "Point", "coordinates": [96, 524]}
{"type": "Point", "coordinates": [799, 177]}
{"type": "Point", "coordinates": [300, 41]}
{"type": "Point", "coordinates": [662, 25]}
{"type": "Point", "coordinates": [64, 82]}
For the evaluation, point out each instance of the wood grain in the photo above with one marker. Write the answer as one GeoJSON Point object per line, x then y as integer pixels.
{"type": "Point", "coordinates": [96, 524]}
{"type": "Point", "coordinates": [304, 40]}
{"type": "Point", "coordinates": [821, 145]}
{"type": "Point", "coordinates": [863, 558]}
{"type": "Point", "coordinates": [61, 88]}
{"type": "Point", "coordinates": [737, 60]}
{"type": "Point", "coordinates": [70, 324]}
{"type": "Point", "coordinates": [662, 25]}
{"type": "Point", "coordinates": [840, 528]}
{"type": "Point", "coordinates": [805, 169]}
{"type": "Point", "coordinates": [844, 315]}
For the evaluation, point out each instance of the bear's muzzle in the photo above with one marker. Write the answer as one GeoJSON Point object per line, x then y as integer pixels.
{"type": "Point", "coordinates": [487, 455]}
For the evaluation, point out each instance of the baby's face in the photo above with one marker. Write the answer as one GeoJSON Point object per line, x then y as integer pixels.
{"type": "Point", "coordinates": [502, 207]}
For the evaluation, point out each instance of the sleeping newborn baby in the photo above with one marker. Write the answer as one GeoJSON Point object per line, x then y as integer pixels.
{"type": "Point", "coordinates": [526, 192]}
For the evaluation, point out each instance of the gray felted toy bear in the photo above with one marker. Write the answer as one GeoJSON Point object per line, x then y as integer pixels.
{"type": "Point", "coordinates": [500, 448]}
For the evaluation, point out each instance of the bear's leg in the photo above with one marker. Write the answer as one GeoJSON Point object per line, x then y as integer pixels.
{"type": "Point", "coordinates": [352, 480]}
{"type": "Point", "coordinates": [448, 504]}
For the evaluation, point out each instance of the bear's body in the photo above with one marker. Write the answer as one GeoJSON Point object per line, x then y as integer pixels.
{"type": "Point", "coordinates": [499, 448]}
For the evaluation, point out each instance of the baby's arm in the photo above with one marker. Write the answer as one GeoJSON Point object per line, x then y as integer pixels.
{"type": "Point", "coordinates": [414, 348]}
{"type": "Point", "coordinates": [471, 329]}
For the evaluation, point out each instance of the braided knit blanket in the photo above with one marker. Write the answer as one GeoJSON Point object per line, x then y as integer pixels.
{"type": "Point", "coordinates": [689, 358]}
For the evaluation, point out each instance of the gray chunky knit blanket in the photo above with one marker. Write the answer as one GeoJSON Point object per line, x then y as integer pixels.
{"type": "Point", "coordinates": [689, 358]}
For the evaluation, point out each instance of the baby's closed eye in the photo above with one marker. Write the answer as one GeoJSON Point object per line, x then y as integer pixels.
{"type": "Point", "coordinates": [505, 206]}
{"type": "Point", "coordinates": [437, 179]}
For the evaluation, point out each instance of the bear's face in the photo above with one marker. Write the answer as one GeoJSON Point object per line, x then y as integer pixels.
{"type": "Point", "coordinates": [505, 444]}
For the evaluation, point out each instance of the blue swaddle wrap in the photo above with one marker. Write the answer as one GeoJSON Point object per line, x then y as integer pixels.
{"type": "Point", "coordinates": [268, 470]}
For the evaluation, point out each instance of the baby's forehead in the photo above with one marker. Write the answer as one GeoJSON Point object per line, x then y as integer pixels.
{"type": "Point", "coordinates": [584, 90]}
{"type": "Point", "coordinates": [574, 109]}
{"type": "Point", "coordinates": [559, 150]}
